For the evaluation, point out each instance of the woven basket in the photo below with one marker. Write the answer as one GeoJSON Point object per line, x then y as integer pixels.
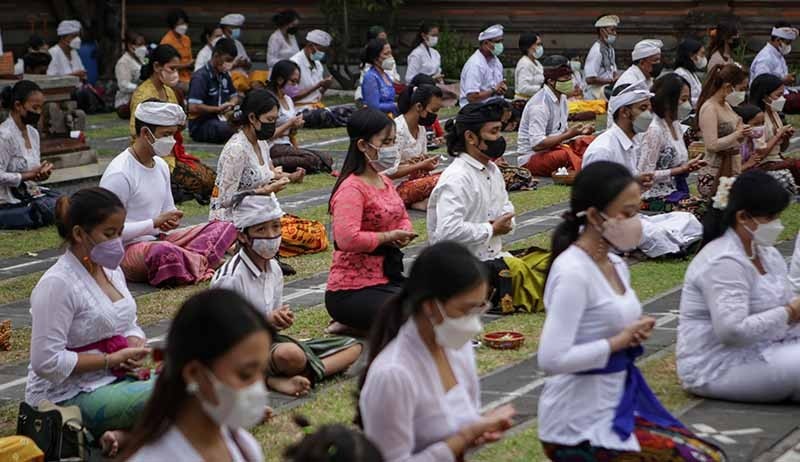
{"type": "Point", "coordinates": [566, 180]}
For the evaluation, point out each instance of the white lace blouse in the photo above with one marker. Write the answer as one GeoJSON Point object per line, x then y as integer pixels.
{"type": "Point", "coordinates": [659, 153]}
{"type": "Point", "coordinates": [15, 159]}
{"type": "Point", "coordinates": [729, 312]}
{"type": "Point", "coordinates": [409, 146]}
{"type": "Point", "coordinates": [238, 169]}
{"type": "Point", "coordinates": [69, 311]}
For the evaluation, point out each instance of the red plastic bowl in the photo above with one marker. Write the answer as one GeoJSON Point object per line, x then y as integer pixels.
{"type": "Point", "coordinates": [504, 340]}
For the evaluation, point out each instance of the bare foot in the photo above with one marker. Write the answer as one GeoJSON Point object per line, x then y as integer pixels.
{"type": "Point", "coordinates": [292, 386]}
{"type": "Point", "coordinates": [110, 442]}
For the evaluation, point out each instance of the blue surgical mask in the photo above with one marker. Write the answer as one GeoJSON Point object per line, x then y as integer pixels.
{"type": "Point", "coordinates": [539, 52]}
{"type": "Point", "coordinates": [235, 33]}
{"type": "Point", "coordinates": [318, 55]}
{"type": "Point", "coordinates": [498, 49]}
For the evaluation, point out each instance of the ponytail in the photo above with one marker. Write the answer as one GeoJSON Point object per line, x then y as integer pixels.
{"type": "Point", "coordinates": [597, 185]}
{"type": "Point", "coordinates": [418, 93]}
{"type": "Point", "coordinates": [717, 77]}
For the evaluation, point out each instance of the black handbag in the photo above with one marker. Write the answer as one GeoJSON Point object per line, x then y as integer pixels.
{"type": "Point", "coordinates": [57, 431]}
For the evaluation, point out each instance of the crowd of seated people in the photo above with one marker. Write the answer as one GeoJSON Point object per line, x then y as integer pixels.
{"type": "Point", "coordinates": [419, 389]}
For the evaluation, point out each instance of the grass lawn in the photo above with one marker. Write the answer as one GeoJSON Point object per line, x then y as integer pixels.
{"type": "Point", "coordinates": [15, 243]}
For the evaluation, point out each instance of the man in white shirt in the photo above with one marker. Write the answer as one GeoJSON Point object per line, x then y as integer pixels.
{"type": "Point", "coordinates": [470, 205]}
{"type": "Point", "coordinates": [64, 54]}
{"type": "Point", "coordinates": [546, 142]}
{"type": "Point", "coordinates": [256, 275]}
{"type": "Point", "coordinates": [313, 82]}
{"type": "Point", "coordinates": [771, 60]}
{"type": "Point", "coordinates": [646, 65]}
{"type": "Point", "coordinates": [141, 179]}
{"type": "Point", "coordinates": [232, 28]}
{"type": "Point", "coordinates": [601, 62]}
{"type": "Point", "coordinates": [668, 233]}
{"type": "Point", "coordinates": [482, 74]}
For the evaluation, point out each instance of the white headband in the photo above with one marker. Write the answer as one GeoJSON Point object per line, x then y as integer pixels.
{"type": "Point", "coordinates": [160, 114]}
{"type": "Point", "coordinates": [254, 210]}
{"type": "Point", "coordinates": [630, 95]}
{"type": "Point", "coordinates": [788, 33]}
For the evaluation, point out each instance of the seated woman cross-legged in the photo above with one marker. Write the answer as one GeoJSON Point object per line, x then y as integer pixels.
{"type": "Point", "coordinates": [664, 152]}
{"type": "Point", "coordinates": [211, 389]}
{"type": "Point", "coordinates": [545, 139]}
{"type": "Point", "coordinates": [739, 326]}
{"type": "Point", "coordinates": [596, 405]}
{"type": "Point", "coordinates": [419, 106]}
{"type": "Point", "coordinates": [23, 203]}
{"type": "Point", "coordinates": [85, 337]}
{"type": "Point", "coordinates": [370, 226]}
{"type": "Point", "coordinates": [420, 394]}
{"type": "Point", "coordinates": [140, 178]}
{"type": "Point", "coordinates": [285, 152]}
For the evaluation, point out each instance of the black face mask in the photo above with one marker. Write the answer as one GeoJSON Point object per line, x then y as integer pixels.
{"type": "Point", "coordinates": [291, 30]}
{"type": "Point", "coordinates": [31, 118]}
{"type": "Point", "coordinates": [735, 43]}
{"type": "Point", "coordinates": [494, 148]}
{"type": "Point", "coordinates": [266, 131]}
{"type": "Point", "coordinates": [429, 119]}
{"type": "Point", "coordinates": [657, 68]}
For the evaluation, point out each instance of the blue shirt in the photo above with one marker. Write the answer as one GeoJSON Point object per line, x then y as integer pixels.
{"type": "Point", "coordinates": [378, 94]}
{"type": "Point", "coordinates": [210, 88]}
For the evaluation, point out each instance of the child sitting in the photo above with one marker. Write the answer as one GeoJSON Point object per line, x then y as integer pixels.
{"type": "Point", "coordinates": [756, 147]}
{"type": "Point", "coordinates": [294, 366]}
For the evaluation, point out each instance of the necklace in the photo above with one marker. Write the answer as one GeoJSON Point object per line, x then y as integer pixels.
{"type": "Point", "coordinates": [598, 254]}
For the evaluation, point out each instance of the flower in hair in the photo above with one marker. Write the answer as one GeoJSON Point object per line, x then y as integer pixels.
{"type": "Point", "coordinates": [723, 192]}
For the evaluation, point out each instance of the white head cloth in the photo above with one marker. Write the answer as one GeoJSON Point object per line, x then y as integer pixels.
{"type": "Point", "coordinates": [232, 19]}
{"type": "Point", "coordinates": [319, 37]}
{"type": "Point", "coordinates": [788, 33]}
{"type": "Point", "coordinates": [646, 48]}
{"type": "Point", "coordinates": [160, 114]}
{"type": "Point", "coordinates": [491, 33]}
{"type": "Point", "coordinates": [254, 210]}
{"type": "Point", "coordinates": [631, 95]}
{"type": "Point", "coordinates": [68, 26]}
{"type": "Point", "coordinates": [609, 20]}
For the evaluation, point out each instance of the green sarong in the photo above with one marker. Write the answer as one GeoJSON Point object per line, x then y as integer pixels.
{"type": "Point", "coordinates": [316, 350]}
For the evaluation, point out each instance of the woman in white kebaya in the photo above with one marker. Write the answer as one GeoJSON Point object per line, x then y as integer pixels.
{"type": "Point", "coordinates": [738, 335]}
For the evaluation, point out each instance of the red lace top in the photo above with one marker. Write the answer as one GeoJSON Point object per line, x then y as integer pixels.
{"type": "Point", "coordinates": [361, 211]}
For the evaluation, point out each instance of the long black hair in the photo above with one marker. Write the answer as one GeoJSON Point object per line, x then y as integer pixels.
{"type": "Point", "coordinates": [208, 325]}
{"type": "Point", "coordinates": [282, 70]}
{"type": "Point", "coordinates": [285, 17]}
{"type": "Point", "coordinates": [19, 92]}
{"type": "Point", "coordinates": [687, 48]}
{"type": "Point", "coordinates": [363, 125]}
{"type": "Point", "coordinates": [424, 28]}
{"type": "Point", "coordinates": [257, 102]}
{"type": "Point", "coordinates": [755, 192]}
{"type": "Point", "coordinates": [721, 35]}
{"type": "Point", "coordinates": [761, 87]}
{"type": "Point", "coordinates": [666, 94]}
{"type": "Point", "coordinates": [418, 91]}
{"type": "Point", "coordinates": [464, 272]}
{"type": "Point", "coordinates": [371, 52]}
{"type": "Point", "coordinates": [87, 209]}
{"type": "Point", "coordinates": [597, 185]}
{"type": "Point", "coordinates": [332, 443]}
{"type": "Point", "coordinates": [162, 55]}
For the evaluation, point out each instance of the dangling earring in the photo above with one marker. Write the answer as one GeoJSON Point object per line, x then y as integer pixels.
{"type": "Point", "coordinates": [192, 388]}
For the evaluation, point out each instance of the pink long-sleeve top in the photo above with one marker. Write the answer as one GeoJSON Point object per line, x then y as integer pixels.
{"type": "Point", "coordinates": [361, 211]}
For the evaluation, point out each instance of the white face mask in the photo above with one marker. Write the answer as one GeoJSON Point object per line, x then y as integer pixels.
{"type": "Point", "coordinates": [182, 29]}
{"type": "Point", "coordinates": [162, 147]}
{"type": "Point", "coordinates": [684, 110]}
{"type": "Point", "coordinates": [538, 52]}
{"type": "Point", "coordinates": [433, 40]}
{"type": "Point", "coordinates": [642, 122]}
{"type": "Point", "coordinates": [778, 104]}
{"type": "Point", "coordinates": [266, 248]}
{"type": "Point", "coordinates": [611, 39]}
{"type": "Point", "coordinates": [575, 66]}
{"type": "Point", "coordinates": [624, 234]}
{"type": "Point", "coordinates": [454, 333]}
{"type": "Point", "coordinates": [388, 160]}
{"type": "Point", "coordinates": [736, 98]}
{"type": "Point", "coordinates": [75, 43]}
{"type": "Point", "coordinates": [766, 234]}
{"type": "Point", "coordinates": [701, 63]}
{"type": "Point", "coordinates": [237, 408]}
{"type": "Point", "coordinates": [785, 49]}
{"type": "Point", "coordinates": [168, 78]}
{"type": "Point", "coordinates": [388, 64]}
{"type": "Point", "coordinates": [140, 52]}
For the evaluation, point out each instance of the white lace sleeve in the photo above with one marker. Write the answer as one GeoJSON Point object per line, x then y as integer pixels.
{"type": "Point", "coordinates": [652, 144]}
{"type": "Point", "coordinates": [231, 165]}
{"type": "Point", "coordinates": [726, 290]}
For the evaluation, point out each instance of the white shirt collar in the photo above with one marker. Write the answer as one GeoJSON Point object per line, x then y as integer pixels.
{"type": "Point", "coordinates": [249, 263]}
{"type": "Point", "coordinates": [550, 94]}
{"type": "Point", "coordinates": [472, 162]}
{"type": "Point", "coordinates": [622, 137]}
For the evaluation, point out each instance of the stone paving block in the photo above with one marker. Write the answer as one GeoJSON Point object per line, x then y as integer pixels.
{"type": "Point", "coordinates": [743, 430]}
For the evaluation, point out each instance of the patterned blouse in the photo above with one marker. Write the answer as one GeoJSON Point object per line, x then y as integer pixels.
{"type": "Point", "coordinates": [660, 153]}
{"type": "Point", "coordinates": [361, 211]}
{"type": "Point", "coordinates": [238, 170]}
{"type": "Point", "coordinates": [15, 159]}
